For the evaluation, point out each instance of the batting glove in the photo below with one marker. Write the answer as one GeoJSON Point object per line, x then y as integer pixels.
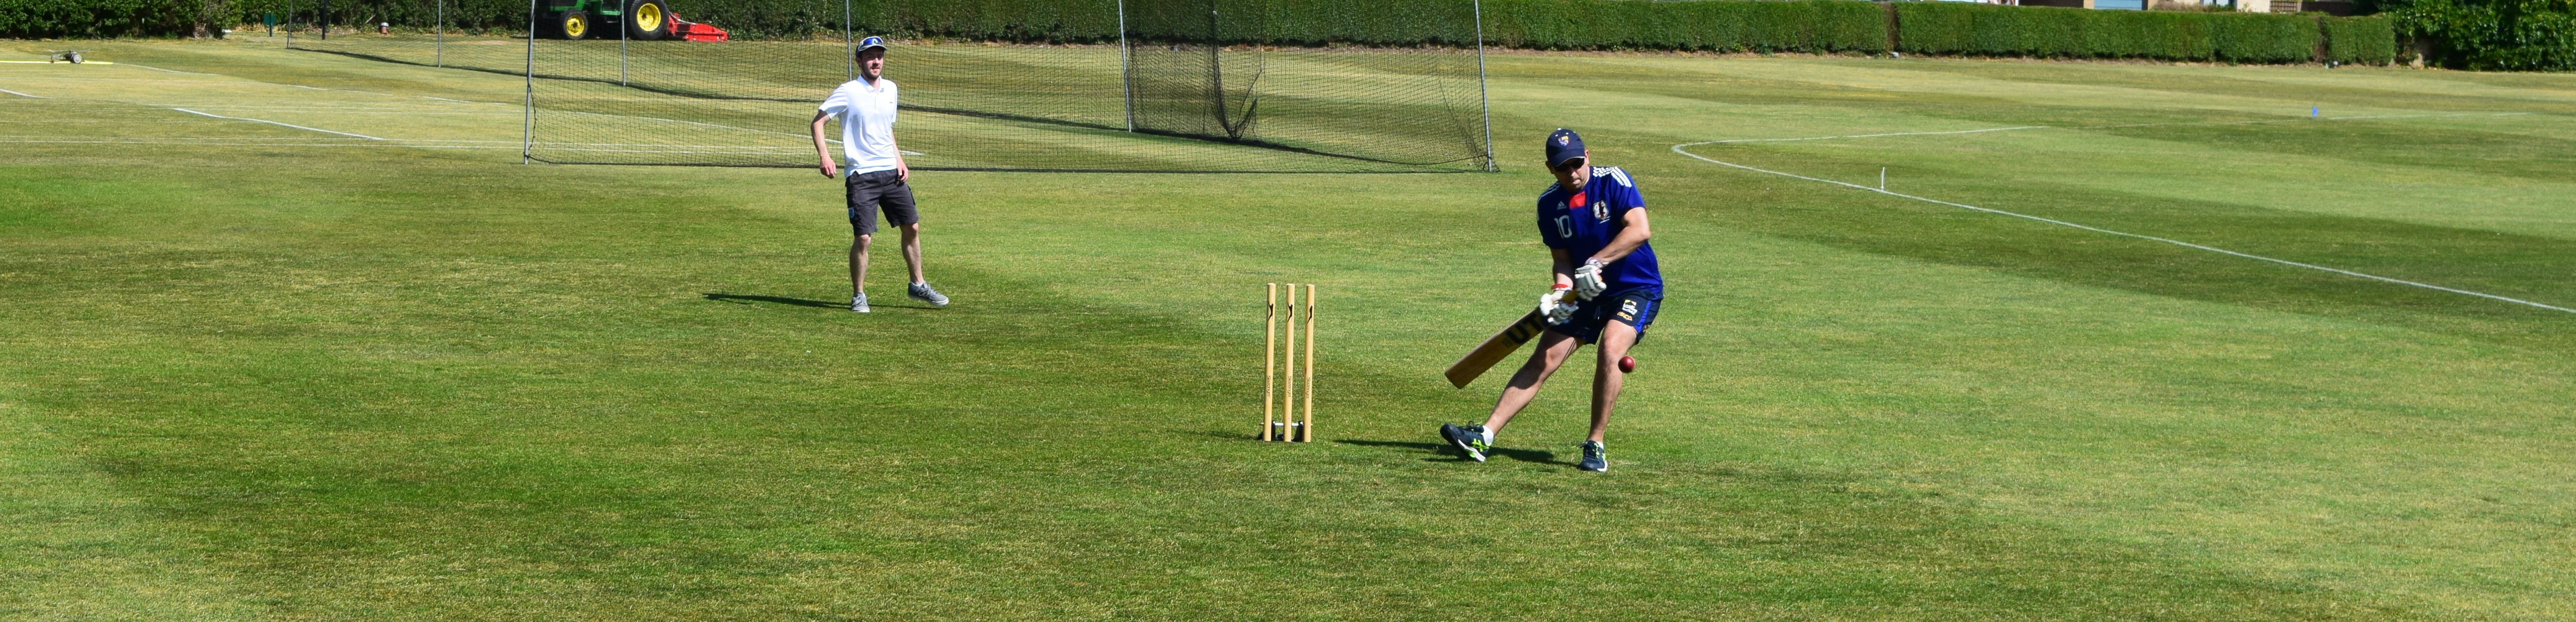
{"type": "Point", "coordinates": [1587, 279]}
{"type": "Point", "coordinates": [1554, 306]}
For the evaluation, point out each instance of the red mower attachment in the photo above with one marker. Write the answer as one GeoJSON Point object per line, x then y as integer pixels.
{"type": "Point", "coordinates": [694, 31]}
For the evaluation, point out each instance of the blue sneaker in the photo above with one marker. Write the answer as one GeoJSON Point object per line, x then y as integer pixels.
{"type": "Point", "coordinates": [1469, 439]}
{"type": "Point", "coordinates": [1593, 458]}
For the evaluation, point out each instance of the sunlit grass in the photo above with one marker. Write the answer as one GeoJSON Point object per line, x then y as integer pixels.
{"type": "Point", "coordinates": [258, 372]}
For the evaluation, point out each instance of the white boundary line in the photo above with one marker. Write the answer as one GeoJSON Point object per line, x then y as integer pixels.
{"type": "Point", "coordinates": [1678, 149]}
{"type": "Point", "coordinates": [395, 144]}
{"type": "Point", "coordinates": [169, 70]}
{"type": "Point", "coordinates": [184, 140]}
{"type": "Point", "coordinates": [1779, 140]}
{"type": "Point", "coordinates": [137, 142]}
{"type": "Point", "coordinates": [2108, 127]}
{"type": "Point", "coordinates": [209, 114]}
{"type": "Point", "coordinates": [23, 94]}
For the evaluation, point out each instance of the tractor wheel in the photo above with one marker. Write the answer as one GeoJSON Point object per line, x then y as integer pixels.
{"type": "Point", "coordinates": [575, 25]}
{"type": "Point", "coordinates": [648, 20]}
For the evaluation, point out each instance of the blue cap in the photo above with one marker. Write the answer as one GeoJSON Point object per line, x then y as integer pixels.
{"type": "Point", "coordinates": [871, 43]}
{"type": "Point", "coordinates": [1563, 145]}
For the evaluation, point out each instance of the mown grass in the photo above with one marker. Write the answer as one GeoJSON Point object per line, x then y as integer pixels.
{"type": "Point", "coordinates": [307, 380]}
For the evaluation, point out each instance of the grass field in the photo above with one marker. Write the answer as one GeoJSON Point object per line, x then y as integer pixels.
{"type": "Point", "coordinates": [254, 371]}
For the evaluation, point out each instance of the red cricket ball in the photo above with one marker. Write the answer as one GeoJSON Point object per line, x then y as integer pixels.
{"type": "Point", "coordinates": [1627, 364]}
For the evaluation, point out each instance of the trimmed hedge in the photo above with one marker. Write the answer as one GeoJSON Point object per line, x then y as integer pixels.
{"type": "Point", "coordinates": [1816, 26]}
{"type": "Point", "coordinates": [1966, 29]}
{"type": "Point", "coordinates": [1810, 26]}
{"type": "Point", "coordinates": [2361, 40]}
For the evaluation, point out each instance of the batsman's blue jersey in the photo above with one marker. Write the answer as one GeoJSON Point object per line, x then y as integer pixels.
{"type": "Point", "coordinates": [1583, 221]}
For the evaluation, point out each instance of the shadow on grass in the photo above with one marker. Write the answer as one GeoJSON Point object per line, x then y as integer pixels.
{"type": "Point", "coordinates": [744, 300]}
{"type": "Point", "coordinates": [1540, 456]}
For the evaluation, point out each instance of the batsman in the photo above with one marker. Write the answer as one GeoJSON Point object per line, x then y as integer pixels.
{"type": "Point", "coordinates": [1606, 289]}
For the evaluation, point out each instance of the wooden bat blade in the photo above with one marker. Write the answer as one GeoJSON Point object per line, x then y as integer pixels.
{"type": "Point", "coordinates": [1502, 344]}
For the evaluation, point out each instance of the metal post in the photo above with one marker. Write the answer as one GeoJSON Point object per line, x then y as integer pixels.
{"type": "Point", "coordinates": [1216, 78]}
{"type": "Point", "coordinates": [622, 16]}
{"type": "Point", "coordinates": [1127, 72]}
{"type": "Point", "coordinates": [290, 24]}
{"type": "Point", "coordinates": [440, 57]}
{"type": "Point", "coordinates": [528, 105]}
{"type": "Point", "coordinates": [1482, 99]}
{"type": "Point", "coordinates": [326, 20]}
{"type": "Point", "coordinates": [849, 44]}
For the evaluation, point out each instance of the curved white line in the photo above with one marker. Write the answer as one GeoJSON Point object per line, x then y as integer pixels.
{"type": "Point", "coordinates": [1678, 149]}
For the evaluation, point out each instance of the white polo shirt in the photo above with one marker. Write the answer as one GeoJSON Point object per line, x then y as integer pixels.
{"type": "Point", "coordinates": [867, 123]}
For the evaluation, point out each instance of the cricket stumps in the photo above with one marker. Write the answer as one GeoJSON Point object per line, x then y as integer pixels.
{"type": "Point", "coordinates": [1279, 398]}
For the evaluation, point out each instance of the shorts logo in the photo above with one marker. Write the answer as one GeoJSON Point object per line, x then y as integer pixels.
{"type": "Point", "coordinates": [1628, 310]}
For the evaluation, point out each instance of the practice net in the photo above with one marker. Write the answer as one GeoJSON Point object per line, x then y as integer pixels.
{"type": "Point", "coordinates": [1191, 86]}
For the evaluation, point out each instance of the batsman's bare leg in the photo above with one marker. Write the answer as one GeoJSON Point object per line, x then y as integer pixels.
{"type": "Point", "coordinates": [1553, 349]}
{"type": "Point", "coordinates": [912, 250]}
{"type": "Point", "coordinates": [1606, 377]}
{"type": "Point", "coordinates": [859, 263]}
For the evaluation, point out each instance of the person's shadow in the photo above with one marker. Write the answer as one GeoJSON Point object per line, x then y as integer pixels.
{"type": "Point", "coordinates": [741, 299]}
{"type": "Point", "coordinates": [1443, 450]}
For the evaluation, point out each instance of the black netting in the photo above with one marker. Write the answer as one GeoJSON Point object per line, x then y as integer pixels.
{"type": "Point", "coordinates": [1196, 85]}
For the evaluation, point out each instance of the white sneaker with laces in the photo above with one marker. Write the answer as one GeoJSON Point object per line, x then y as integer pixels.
{"type": "Point", "coordinates": [923, 292]}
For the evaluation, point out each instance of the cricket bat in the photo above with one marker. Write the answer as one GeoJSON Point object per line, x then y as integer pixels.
{"type": "Point", "coordinates": [1502, 344]}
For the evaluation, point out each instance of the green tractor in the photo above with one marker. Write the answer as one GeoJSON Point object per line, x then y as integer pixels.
{"type": "Point", "coordinates": [644, 20]}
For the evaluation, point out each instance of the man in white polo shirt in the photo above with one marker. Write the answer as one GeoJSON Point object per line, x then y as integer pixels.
{"type": "Point", "coordinates": [866, 108]}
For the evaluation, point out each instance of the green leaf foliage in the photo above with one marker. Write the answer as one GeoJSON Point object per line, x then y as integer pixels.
{"type": "Point", "coordinates": [93, 18]}
{"type": "Point", "coordinates": [2510, 35]}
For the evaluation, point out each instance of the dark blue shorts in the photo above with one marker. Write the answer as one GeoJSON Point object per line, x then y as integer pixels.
{"type": "Point", "coordinates": [1634, 307]}
{"type": "Point", "coordinates": [873, 190]}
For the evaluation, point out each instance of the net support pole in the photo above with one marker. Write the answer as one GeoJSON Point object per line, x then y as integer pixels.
{"type": "Point", "coordinates": [528, 101]}
{"type": "Point", "coordinates": [439, 54]}
{"type": "Point", "coordinates": [622, 16]}
{"type": "Point", "coordinates": [1484, 100]}
{"type": "Point", "coordinates": [849, 42]}
{"type": "Point", "coordinates": [1127, 72]}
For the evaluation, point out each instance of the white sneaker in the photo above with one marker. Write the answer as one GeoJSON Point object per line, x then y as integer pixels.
{"type": "Point", "coordinates": [859, 303]}
{"type": "Point", "coordinates": [923, 292]}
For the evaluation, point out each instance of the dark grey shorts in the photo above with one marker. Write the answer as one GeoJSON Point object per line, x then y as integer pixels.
{"type": "Point", "coordinates": [875, 190]}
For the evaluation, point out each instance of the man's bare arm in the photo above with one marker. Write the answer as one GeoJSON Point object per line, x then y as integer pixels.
{"type": "Point", "coordinates": [902, 169]}
{"type": "Point", "coordinates": [1630, 237]}
{"type": "Point", "coordinates": [1563, 268]}
{"type": "Point", "coordinates": [821, 152]}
